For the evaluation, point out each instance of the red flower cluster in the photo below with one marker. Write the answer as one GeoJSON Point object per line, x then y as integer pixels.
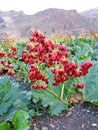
{"type": "Point", "coordinates": [34, 75]}
{"type": "Point", "coordinates": [85, 67]}
{"type": "Point", "coordinates": [1, 70]}
{"type": "Point", "coordinates": [11, 73]}
{"type": "Point", "coordinates": [36, 37]}
{"type": "Point", "coordinates": [25, 56]}
{"type": "Point", "coordinates": [51, 55]}
{"type": "Point", "coordinates": [59, 76]}
{"type": "Point", "coordinates": [13, 53]}
{"type": "Point", "coordinates": [2, 54]}
{"type": "Point", "coordinates": [70, 70]}
{"type": "Point", "coordinates": [7, 64]}
{"type": "Point", "coordinates": [10, 66]}
{"type": "Point", "coordinates": [39, 86]}
{"type": "Point", "coordinates": [44, 51]}
{"type": "Point", "coordinates": [14, 50]}
{"type": "Point", "coordinates": [81, 86]}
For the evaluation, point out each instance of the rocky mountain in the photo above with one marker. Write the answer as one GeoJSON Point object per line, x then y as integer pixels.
{"type": "Point", "coordinates": [49, 21]}
{"type": "Point", "coordinates": [92, 13]}
{"type": "Point", "coordinates": [60, 21]}
{"type": "Point", "coordinates": [92, 16]}
{"type": "Point", "coordinates": [14, 23]}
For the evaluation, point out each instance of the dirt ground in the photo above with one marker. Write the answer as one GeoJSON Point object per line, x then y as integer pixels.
{"type": "Point", "coordinates": [82, 117]}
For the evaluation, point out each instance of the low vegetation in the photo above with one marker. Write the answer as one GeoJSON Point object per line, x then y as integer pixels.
{"type": "Point", "coordinates": [56, 69]}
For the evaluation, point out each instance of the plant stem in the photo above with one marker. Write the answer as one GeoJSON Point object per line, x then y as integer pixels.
{"type": "Point", "coordinates": [57, 96]}
{"type": "Point", "coordinates": [68, 89]}
{"type": "Point", "coordinates": [62, 92]}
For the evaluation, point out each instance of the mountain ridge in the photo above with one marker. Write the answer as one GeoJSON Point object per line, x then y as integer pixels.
{"type": "Point", "coordinates": [49, 21]}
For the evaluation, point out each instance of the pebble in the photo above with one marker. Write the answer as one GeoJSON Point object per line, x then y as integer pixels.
{"type": "Point", "coordinates": [35, 128]}
{"type": "Point", "coordinates": [53, 126]}
{"type": "Point", "coordinates": [68, 114]}
{"type": "Point", "coordinates": [94, 124]}
{"type": "Point", "coordinates": [44, 128]}
{"type": "Point", "coordinates": [82, 125]}
{"type": "Point", "coordinates": [88, 110]}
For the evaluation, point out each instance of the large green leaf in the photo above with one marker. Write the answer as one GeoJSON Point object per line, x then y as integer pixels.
{"type": "Point", "coordinates": [5, 86]}
{"type": "Point", "coordinates": [55, 106]}
{"type": "Point", "coordinates": [80, 51]}
{"type": "Point", "coordinates": [4, 126]}
{"type": "Point", "coordinates": [12, 98]}
{"type": "Point", "coordinates": [20, 120]}
{"type": "Point", "coordinates": [48, 99]}
{"type": "Point", "coordinates": [95, 55]}
{"type": "Point", "coordinates": [91, 85]}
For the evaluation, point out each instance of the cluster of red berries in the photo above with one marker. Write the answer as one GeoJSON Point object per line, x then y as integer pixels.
{"type": "Point", "coordinates": [37, 37]}
{"type": "Point", "coordinates": [54, 56]}
{"type": "Point", "coordinates": [34, 75]}
{"type": "Point", "coordinates": [6, 65]}
{"type": "Point", "coordinates": [43, 52]}
{"type": "Point", "coordinates": [39, 86]}
{"type": "Point", "coordinates": [80, 85]}
{"type": "Point", "coordinates": [13, 53]}
{"type": "Point", "coordinates": [2, 70]}
{"type": "Point", "coordinates": [2, 54]}
{"type": "Point", "coordinates": [70, 70]}
{"type": "Point", "coordinates": [85, 67]}
{"type": "Point", "coordinates": [10, 73]}
{"type": "Point", "coordinates": [10, 66]}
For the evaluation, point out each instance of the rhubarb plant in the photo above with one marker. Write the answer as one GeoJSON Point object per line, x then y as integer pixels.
{"type": "Point", "coordinates": [48, 61]}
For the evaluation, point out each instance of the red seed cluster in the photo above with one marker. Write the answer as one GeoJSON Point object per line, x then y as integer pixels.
{"type": "Point", "coordinates": [10, 66]}
{"type": "Point", "coordinates": [13, 53]}
{"type": "Point", "coordinates": [2, 54]}
{"type": "Point", "coordinates": [34, 75]}
{"type": "Point", "coordinates": [7, 66]}
{"type": "Point", "coordinates": [81, 86]}
{"type": "Point", "coordinates": [36, 37]}
{"type": "Point", "coordinates": [39, 86]}
{"type": "Point", "coordinates": [85, 67]}
{"type": "Point", "coordinates": [40, 54]}
{"type": "Point", "coordinates": [40, 51]}
{"type": "Point", "coordinates": [2, 70]}
{"type": "Point", "coordinates": [11, 73]}
{"type": "Point", "coordinates": [7, 63]}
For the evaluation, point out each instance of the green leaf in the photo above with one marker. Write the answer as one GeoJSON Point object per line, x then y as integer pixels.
{"type": "Point", "coordinates": [20, 120]}
{"type": "Point", "coordinates": [91, 85]}
{"type": "Point", "coordinates": [95, 55]}
{"type": "Point", "coordinates": [4, 126]}
{"type": "Point", "coordinates": [96, 45]}
{"type": "Point", "coordinates": [5, 86]}
{"type": "Point", "coordinates": [80, 51]}
{"type": "Point", "coordinates": [56, 106]}
{"type": "Point", "coordinates": [48, 99]}
{"type": "Point", "coordinates": [51, 76]}
{"type": "Point", "coordinates": [11, 99]}
{"type": "Point", "coordinates": [20, 46]}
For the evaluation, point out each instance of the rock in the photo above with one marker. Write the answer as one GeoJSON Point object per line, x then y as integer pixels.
{"type": "Point", "coordinates": [35, 128]}
{"type": "Point", "coordinates": [44, 128]}
{"type": "Point", "coordinates": [94, 124]}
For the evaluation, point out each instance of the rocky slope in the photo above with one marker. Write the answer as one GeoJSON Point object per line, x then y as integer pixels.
{"type": "Point", "coordinates": [49, 21]}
